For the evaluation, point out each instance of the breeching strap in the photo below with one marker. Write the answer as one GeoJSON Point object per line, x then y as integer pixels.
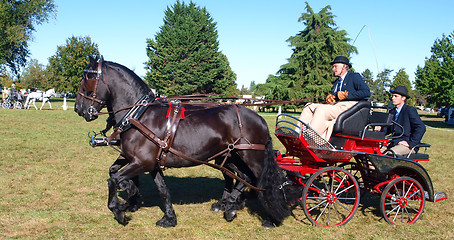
{"type": "Point", "coordinates": [165, 146]}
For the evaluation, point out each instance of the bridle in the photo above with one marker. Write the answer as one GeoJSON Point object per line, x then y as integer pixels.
{"type": "Point", "coordinates": [91, 85]}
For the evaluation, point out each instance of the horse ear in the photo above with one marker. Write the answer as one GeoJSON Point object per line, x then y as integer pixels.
{"type": "Point", "coordinates": [102, 59]}
{"type": "Point", "coordinates": [92, 60]}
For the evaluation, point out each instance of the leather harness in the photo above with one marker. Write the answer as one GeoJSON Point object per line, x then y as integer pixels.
{"type": "Point", "coordinates": [175, 114]}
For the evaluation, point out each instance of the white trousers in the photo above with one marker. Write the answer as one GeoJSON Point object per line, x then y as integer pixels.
{"type": "Point", "coordinates": [322, 117]}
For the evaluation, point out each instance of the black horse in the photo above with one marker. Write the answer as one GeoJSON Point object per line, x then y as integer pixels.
{"type": "Point", "coordinates": [203, 133]}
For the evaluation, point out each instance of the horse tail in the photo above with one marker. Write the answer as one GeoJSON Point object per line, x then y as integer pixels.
{"type": "Point", "coordinates": [273, 180]}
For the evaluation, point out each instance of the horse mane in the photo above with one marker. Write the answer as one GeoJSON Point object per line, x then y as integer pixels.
{"type": "Point", "coordinates": [141, 84]}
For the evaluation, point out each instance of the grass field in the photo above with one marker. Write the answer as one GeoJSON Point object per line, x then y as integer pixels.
{"type": "Point", "coordinates": [53, 186]}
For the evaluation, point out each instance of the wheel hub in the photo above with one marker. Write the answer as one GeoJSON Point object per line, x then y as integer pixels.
{"type": "Point", "coordinates": [331, 198]}
{"type": "Point", "coordinates": [403, 202]}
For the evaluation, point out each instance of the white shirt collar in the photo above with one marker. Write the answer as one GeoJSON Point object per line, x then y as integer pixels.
{"type": "Point", "coordinates": [400, 108]}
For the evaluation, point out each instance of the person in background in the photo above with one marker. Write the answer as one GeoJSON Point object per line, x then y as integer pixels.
{"type": "Point", "coordinates": [347, 90]}
{"type": "Point", "coordinates": [407, 116]}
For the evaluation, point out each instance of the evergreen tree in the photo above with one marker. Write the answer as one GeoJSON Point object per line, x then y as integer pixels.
{"type": "Point", "coordinates": [66, 66]}
{"type": "Point", "coordinates": [185, 57]}
{"type": "Point", "coordinates": [309, 69]}
{"type": "Point", "coordinates": [402, 79]}
{"type": "Point", "coordinates": [382, 84]}
{"type": "Point", "coordinates": [436, 78]}
{"type": "Point", "coordinates": [368, 78]}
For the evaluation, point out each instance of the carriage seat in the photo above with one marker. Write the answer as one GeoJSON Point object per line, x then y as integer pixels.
{"type": "Point", "coordinates": [352, 121]}
{"type": "Point", "coordinates": [378, 119]}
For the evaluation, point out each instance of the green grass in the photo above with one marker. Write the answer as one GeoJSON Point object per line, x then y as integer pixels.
{"type": "Point", "coordinates": [53, 186]}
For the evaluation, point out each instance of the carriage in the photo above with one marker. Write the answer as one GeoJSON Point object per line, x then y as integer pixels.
{"type": "Point", "coordinates": [335, 174]}
{"type": "Point", "coordinates": [13, 100]}
{"type": "Point", "coordinates": [154, 134]}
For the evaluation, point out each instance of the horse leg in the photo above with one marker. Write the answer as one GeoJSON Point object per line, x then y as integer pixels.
{"type": "Point", "coordinates": [34, 103]}
{"type": "Point", "coordinates": [235, 201]}
{"type": "Point", "coordinates": [42, 105]}
{"type": "Point", "coordinates": [133, 199]}
{"type": "Point", "coordinates": [169, 219]}
{"type": "Point", "coordinates": [122, 180]}
{"type": "Point", "coordinates": [26, 106]}
{"type": "Point", "coordinates": [50, 105]}
{"type": "Point", "coordinates": [228, 187]}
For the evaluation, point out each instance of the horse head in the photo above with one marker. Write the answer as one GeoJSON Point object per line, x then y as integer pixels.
{"type": "Point", "coordinates": [102, 81]}
{"type": "Point", "coordinates": [93, 91]}
{"type": "Point", "coordinates": [51, 93]}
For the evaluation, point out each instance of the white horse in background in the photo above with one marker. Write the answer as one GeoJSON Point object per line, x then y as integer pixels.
{"type": "Point", "coordinates": [41, 96]}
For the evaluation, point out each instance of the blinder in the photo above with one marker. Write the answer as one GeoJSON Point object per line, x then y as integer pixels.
{"type": "Point", "coordinates": [91, 85]}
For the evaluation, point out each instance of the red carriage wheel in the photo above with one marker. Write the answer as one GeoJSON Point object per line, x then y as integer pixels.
{"type": "Point", "coordinates": [331, 197]}
{"type": "Point", "coordinates": [355, 170]}
{"type": "Point", "coordinates": [402, 201]}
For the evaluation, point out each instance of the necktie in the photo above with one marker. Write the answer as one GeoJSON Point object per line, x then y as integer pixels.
{"type": "Point", "coordinates": [397, 115]}
{"type": "Point", "coordinates": [339, 85]}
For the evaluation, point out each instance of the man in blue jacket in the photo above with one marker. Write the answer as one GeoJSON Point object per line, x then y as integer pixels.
{"type": "Point", "coordinates": [347, 90]}
{"type": "Point", "coordinates": [407, 116]}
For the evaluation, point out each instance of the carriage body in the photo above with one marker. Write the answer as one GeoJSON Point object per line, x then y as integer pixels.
{"type": "Point", "coordinates": [14, 100]}
{"type": "Point", "coordinates": [334, 173]}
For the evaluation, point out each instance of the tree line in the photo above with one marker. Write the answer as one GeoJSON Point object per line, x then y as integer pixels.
{"type": "Point", "coordinates": [184, 58]}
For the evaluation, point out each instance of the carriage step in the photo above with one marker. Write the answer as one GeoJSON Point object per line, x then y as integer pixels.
{"type": "Point", "coordinates": [440, 196]}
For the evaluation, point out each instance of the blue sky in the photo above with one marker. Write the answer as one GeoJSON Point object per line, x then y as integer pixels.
{"type": "Point", "coordinates": [252, 34]}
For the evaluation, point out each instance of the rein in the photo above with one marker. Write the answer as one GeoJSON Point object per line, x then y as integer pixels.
{"type": "Point", "coordinates": [212, 104]}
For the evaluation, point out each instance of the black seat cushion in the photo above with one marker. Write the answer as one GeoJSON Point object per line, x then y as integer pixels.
{"type": "Point", "coordinates": [352, 121]}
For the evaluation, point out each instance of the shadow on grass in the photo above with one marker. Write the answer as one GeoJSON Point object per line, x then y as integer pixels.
{"type": "Point", "coordinates": [185, 190]}
{"type": "Point", "coordinates": [435, 121]}
{"type": "Point", "coordinates": [191, 190]}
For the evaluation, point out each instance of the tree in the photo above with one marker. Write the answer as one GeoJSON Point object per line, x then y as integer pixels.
{"type": "Point", "coordinates": [66, 66]}
{"type": "Point", "coordinates": [402, 79]}
{"type": "Point", "coordinates": [185, 57]}
{"type": "Point", "coordinates": [17, 23]}
{"type": "Point", "coordinates": [369, 80]}
{"type": "Point", "coordinates": [34, 76]}
{"type": "Point", "coordinates": [436, 78]}
{"type": "Point", "coordinates": [381, 86]}
{"type": "Point", "coordinates": [309, 67]}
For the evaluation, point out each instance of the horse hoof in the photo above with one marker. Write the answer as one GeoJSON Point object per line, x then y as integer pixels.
{"type": "Point", "coordinates": [166, 222]}
{"type": "Point", "coordinates": [267, 224]}
{"type": "Point", "coordinates": [229, 215]}
{"type": "Point", "coordinates": [133, 208]}
{"type": "Point", "coordinates": [217, 207]}
{"type": "Point", "coordinates": [120, 216]}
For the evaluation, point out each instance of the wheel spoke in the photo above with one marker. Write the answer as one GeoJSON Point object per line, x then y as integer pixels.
{"type": "Point", "coordinates": [407, 190]}
{"type": "Point", "coordinates": [315, 198]}
{"type": "Point", "coordinates": [321, 213]}
{"type": "Point", "coordinates": [392, 210]}
{"type": "Point", "coordinates": [391, 203]}
{"type": "Point", "coordinates": [345, 189]}
{"type": "Point", "coordinates": [408, 214]}
{"type": "Point", "coordinates": [340, 184]}
{"type": "Point", "coordinates": [412, 195]}
{"type": "Point", "coordinates": [332, 182]}
{"type": "Point", "coordinates": [317, 205]}
{"type": "Point", "coordinates": [397, 213]}
{"type": "Point", "coordinates": [329, 212]}
{"type": "Point", "coordinates": [342, 205]}
{"type": "Point", "coordinates": [412, 208]}
{"type": "Point", "coordinates": [346, 198]}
